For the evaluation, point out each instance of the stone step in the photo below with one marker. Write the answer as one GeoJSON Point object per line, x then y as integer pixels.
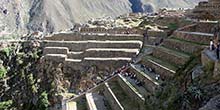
{"type": "Point", "coordinates": [182, 45]}
{"type": "Point", "coordinates": [171, 56]}
{"type": "Point", "coordinates": [132, 89]}
{"type": "Point", "coordinates": [151, 84]}
{"type": "Point", "coordinates": [165, 69]}
{"type": "Point", "coordinates": [122, 97]}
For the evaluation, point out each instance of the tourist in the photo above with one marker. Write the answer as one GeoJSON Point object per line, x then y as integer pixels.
{"type": "Point", "coordinates": [218, 49]}
{"type": "Point", "coordinates": [212, 47]}
{"type": "Point", "coordinates": [157, 77]}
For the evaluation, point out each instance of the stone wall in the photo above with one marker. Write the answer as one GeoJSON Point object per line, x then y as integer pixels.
{"type": "Point", "coordinates": [206, 10]}
{"type": "Point", "coordinates": [104, 54]}
{"type": "Point", "coordinates": [92, 53]}
{"type": "Point", "coordinates": [60, 58]}
{"type": "Point", "coordinates": [183, 46]}
{"type": "Point", "coordinates": [111, 31]}
{"type": "Point", "coordinates": [190, 28]}
{"type": "Point", "coordinates": [152, 33]}
{"type": "Point", "coordinates": [81, 46]}
{"type": "Point", "coordinates": [169, 56]}
{"type": "Point", "coordinates": [206, 61]}
{"type": "Point", "coordinates": [55, 50]}
{"type": "Point", "coordinates": [86, 50]}
{"type": "Point", "coordinates": [85, 37]}
{"type": "Point", "coordinates": [199, 27]}
{"type": "Point", "coordinates": [101, 65]}
{"type": "Point", "coordinates": [193, 37]}
{"type": "Point", "coordinates": [154, 37]}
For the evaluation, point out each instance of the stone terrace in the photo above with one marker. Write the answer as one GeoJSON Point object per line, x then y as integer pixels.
{"type": "Point", "coordinates": [161, 64]}
{"type": "Point", "coordinates": [83, 50]}
{"type": "Point", "coordinates": [176, 51]}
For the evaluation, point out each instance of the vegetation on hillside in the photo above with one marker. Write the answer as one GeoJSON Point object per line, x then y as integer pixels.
{"type": "Point", "coordinates": [184, 93]}
{"type": "Point", "coordinates": [18, 73]}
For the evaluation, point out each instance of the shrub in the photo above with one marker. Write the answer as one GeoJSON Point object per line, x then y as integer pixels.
{"type": "Point", "coordinates": [3, 72]}
{"type": "Point", "coordinates": [43, 102]}
{"type": "Point", "coordinates": [7, 51]}
{"type": "Point", "coordinates": [172, 26]}
{"type": "Point", "coordinates": [5, 105]}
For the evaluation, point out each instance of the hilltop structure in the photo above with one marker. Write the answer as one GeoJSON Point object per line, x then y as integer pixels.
{"type": "Point", "coordinates": [206, 10]}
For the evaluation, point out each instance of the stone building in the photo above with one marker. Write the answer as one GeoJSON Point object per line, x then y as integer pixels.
{"type": "Point", "coordinates": [206, 10]}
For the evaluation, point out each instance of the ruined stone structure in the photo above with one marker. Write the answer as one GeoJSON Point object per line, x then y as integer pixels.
{"type": "Point", "coordinates": [207, 10]}
{"type": "Point", "coordinates": [79, 51]}
{"type": "Point", "coordinates": [122, 93]}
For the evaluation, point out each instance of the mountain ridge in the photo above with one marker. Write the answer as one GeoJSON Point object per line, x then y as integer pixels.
{"type": "Point", "coordinates": [56, 15]}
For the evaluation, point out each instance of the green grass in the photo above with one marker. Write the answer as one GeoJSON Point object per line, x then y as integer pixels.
{"type": "Point", "coordinates": [132, 87]}
{"type": "Point", "coordinates": [81, 104]}
{"type": "Point", "coordinates": [161, 62]}
{"type": "Point", "coordinates": [123, 98]}
{"type": "Point", "coordinates": [174, 52]}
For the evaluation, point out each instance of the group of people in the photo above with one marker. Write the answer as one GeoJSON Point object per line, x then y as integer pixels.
{"type": "Point", "coordinates": [215, 46]}
{"type": "Point", "coordinates": [133, 76]}
{"type": "Point", "coordinates": [147, 69]}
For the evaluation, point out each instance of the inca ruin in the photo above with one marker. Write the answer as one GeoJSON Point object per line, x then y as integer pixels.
{"type": "Point", "coordinates": [164, 59]}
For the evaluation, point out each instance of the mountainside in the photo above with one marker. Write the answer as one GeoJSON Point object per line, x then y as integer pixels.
{"type": "Point", "coordinates": [54, 15]}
